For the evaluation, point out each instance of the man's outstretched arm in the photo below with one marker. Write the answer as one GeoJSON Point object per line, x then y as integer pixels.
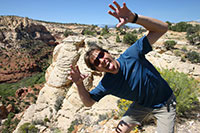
{"type": "Point", "coordinates": [155, 27]}
{"type": "Point", "coordinates": [77, 78]}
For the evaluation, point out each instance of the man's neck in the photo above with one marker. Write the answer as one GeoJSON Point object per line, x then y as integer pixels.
{"type": "Point", "coordinates": [117, 66]}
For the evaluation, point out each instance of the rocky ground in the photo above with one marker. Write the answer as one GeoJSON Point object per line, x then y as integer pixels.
{"type": "Point", "coordinates": [58, 107]}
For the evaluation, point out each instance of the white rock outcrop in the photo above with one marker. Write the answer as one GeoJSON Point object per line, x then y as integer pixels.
{"type": "Point", "coordinates": [58, 101]}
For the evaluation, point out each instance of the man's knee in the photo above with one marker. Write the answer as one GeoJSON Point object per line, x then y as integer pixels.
{"type": "Point", "coordinates": [124, 127]}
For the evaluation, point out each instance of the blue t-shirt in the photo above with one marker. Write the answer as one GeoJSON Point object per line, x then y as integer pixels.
{"type": "Point", "coordinates": [137, 79]}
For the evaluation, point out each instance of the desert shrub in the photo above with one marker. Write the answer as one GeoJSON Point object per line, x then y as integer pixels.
{"type": "Point", "coordinates": [129, 38]}
{"type": "Point", "coordinates": [141, 30]}
{"type": "Point", "coordinates": [10, 124]}
{"type": "Point", "coordinates": [193, 35]}
{"type": "Point", "coordinates": [184, 49]}
{"type": "Point", "coordinates": [193, 29]}
{"type": "Point", "coordinates": [123, 105]}
{"type": "Point", "coordinates": [73, 124]}
{"type": "Point", "coordinates": [105, 31]}
{"type": "Point", "coordinates": [177, 53]}
{"type": "Point", "coordinates": [186, 90]}
{"type": "Point", "coordinates": [169, 44]}
{"type": "Point", "coordinates": [180, 27]}
{"type": "Point", "coordinates": [169, 23]}
{"type": "Point", "coordinates": [68, 32]}
{"type": "Point", "coordinates": [194, 39]}
{"type": "Point", "coordinates": [118, 39]}
{"type": "Point", "coordinates": [121, 30]}
{"type": "Point", "coordinates": [87, 32]}
{"type": "Point", "coordinates": [193, 56]}
{"type": "Point", "coordinates": [28, 128]}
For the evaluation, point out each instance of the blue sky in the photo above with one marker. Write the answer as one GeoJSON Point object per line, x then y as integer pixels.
{"type": "Point", "coordinates": [95, 11]}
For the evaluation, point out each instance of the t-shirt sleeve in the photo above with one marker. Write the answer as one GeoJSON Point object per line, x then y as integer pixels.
{"type": "Point", "coordinates": [98, 92]}
{"type": "Point", "coordinates": [140, 47]}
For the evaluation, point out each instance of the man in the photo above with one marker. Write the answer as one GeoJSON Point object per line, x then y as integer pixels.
{"type": "Point", "coordinates": [131, 76]}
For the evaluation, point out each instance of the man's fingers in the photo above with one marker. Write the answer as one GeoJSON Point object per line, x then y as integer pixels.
{"type": "Point", "coordinates": [112, 7]}
{"type": "Point", "coordinates": [72, 68]}
{"type": "Point", "coordinates": [83, 76]}
{"type": "Point", "coordinates": [117, 5]}
{"type": "Point", "coordinates": [124, 5]}
{"type": "Point", "coordinates": [113, 14]}
{"type": "Point", "coordinates": [122, 22]}
{"type": "Point", "coordinates": [77, 69]}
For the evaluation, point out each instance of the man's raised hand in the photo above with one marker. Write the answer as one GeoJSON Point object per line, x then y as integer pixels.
{"type": "Point", "coordinates": [123, 14]}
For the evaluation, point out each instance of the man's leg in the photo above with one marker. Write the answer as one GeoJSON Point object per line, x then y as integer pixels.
{"type": "Point", "coordinates": [166, 117]}
{"type": "Point", "coordinates": [133, 117]}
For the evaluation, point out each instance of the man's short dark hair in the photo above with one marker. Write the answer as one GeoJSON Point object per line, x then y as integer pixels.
{"type": "Point", "coordinates": [89, 53]}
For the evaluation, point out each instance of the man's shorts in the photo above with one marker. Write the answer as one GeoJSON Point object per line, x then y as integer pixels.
{"type": "Point", "coordinates": [165, 115]}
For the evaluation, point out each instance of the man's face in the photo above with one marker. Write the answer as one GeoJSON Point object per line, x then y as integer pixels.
{"type": "Point", "coordinates": [104, 62]}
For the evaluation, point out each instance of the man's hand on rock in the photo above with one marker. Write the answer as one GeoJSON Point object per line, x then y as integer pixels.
{"type": "Point", "coordinates": [75, 75]}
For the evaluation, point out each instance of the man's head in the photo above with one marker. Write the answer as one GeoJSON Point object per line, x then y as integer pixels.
{"type": "Point", "coordinates": [100, 59]}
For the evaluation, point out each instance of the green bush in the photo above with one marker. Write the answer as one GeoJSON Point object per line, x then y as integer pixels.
{"type": "Point", "coordinates": [10, 124]}
{"type": "Point", "coordinates": [141, 30]}
{"type": "Point", "coordinates": [193, 56]}
{"type": "Point", "coordinates": [184, 49]}
{"type": "Point", "coordinates": [186, 90]}
{"type": "Point", "coordinates": [169, 23]}
{"type": "Point", "coordinates": [169, 44]}
{"type": "Point", "coordinates": [68, 32]}
{"type": "Point", "coordinates": [118, 39]}
{"type": "Point", "coordinates": [193, 35]}
{"type": "Point", "coordinates": [129, 38]}
{"type": "Point", "coordinates": [105, 31]}
{"type": "Point", "coordinates": [177, 53]}
{"type": "Point", "coordinates": [28, 128]}
{"type": "Point", "coordinates": [180, 27]}
{"type": "Point", "coordinates": [87, 32]}
{"type": "Point", "coordinates": [123, 105]}
{"type": "Point", "coordinates": [121, 30]}
{"type": "Point", "coordinates": [73, 124]}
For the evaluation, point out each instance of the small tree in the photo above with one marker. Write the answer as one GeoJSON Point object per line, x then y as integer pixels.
{"type": "Point", "coordinates": [105, 30]}
{"type": "Point", "coordinates": [129, 38]}
{"type": "Point", "coordinates": [67, 33]}
{"type": "Point", "coordinates": [193, 35]}
{"type": "Point", "coordinates": [118, 39]}
{"type": "Point", "coordinates": [193, 56]}
{"type": "Point", "coordinates": [87, 32]}
{"type": "Point", "coordinates": [169, 44]}
{"type": "Point", "coordinates": [180, 27]}
{"type": "Point", "coordinates": [122, 31]}
{"type": "Point", "coordinates": [169, 23]}
{"type": "Point", "coordinates": [28, 127]}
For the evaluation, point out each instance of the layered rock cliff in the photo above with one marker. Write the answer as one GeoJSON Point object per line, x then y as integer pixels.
{"type": "Point", "coordinates": [25, 48]}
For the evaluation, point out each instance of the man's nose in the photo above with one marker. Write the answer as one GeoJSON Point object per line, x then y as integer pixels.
{"type": "Point", "coordinates": [102, 61]}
